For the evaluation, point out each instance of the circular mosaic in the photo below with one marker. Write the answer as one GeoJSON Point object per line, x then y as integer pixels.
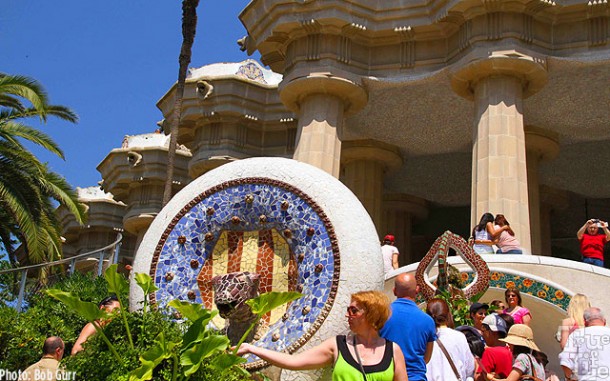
{"type": "Point", "coordinates": [260, 226]}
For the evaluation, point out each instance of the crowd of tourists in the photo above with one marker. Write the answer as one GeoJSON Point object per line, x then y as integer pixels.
{"type": "Point", "coordinates": [399, 341]}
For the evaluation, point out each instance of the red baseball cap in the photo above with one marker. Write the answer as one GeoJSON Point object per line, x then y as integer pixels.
{"type": "Point", "coordinates": [389, 237]}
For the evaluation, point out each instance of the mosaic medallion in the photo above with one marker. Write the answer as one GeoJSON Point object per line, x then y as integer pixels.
{"type": "Point", "coordinates": [260, 226]}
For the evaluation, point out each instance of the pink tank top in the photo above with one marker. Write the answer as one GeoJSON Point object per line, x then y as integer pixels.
{"type": "Point", "coordinates": [518, 314]}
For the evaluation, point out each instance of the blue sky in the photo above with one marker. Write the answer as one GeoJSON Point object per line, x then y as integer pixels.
{"type": "Point", "coordinates": [110, 61]}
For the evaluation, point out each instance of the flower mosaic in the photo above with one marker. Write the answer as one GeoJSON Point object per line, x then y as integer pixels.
{"type": "Point", "coordinates": [251, 71]}
{"type": "Point", "coordinates": [526, 285]}
{"type": "Point", "coordinates": [222, 231]}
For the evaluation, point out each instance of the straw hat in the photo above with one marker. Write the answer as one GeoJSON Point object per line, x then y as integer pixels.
{"type": "Point", "coordinates": [521, 334]}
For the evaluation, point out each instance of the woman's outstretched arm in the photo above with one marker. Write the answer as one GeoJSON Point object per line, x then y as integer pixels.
{"type": "Point", "coordinates": [317, 357]}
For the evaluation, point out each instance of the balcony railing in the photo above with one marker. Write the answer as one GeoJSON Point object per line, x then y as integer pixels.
{"type": "Point", "coordinates": [96, 259]}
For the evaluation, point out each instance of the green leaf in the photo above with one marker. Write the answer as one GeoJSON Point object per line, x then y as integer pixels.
{"type": "Point", "coordinates": [191, 311]}
{"type": "Point", "coordinates": [89, 311]}
{"type": "Point", "coordinates": [144, 372]}
{"type": "Point", "coordinates": [226, 361]}
{"type": "Point", "coordinates": [268, 301]}
{"type": "Point", "coordinates": [192, 358]}
{"type": "Point", "coordinates": [160, 351]}
{"type": "Point", "coordinates": [146, 283]}
{"type": "Point", "coordinates": [117, 284]}
{"type": "Point", "coordinates": [196, 332]}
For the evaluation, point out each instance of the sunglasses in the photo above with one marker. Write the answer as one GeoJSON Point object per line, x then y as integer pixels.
{"type": "Point", "coordinates": [353, 311]}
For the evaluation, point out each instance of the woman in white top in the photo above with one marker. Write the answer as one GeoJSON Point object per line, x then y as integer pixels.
{"type": "Point", "coordinates": [454, 342]}
{"type": "Point", "coordinates": [482, 235]}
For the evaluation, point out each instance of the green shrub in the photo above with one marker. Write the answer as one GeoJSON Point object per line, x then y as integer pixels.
{"type": "Point", "coordinates": [139, 345]}
{"type": "Point", "coordinates": [23, 334]}
{"type": "Point", "coordinates": [96, 361]}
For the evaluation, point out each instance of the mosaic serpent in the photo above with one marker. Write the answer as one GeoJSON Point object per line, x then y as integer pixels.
{"type": "Point", "coordinates": [231, 291]}
{"type": "Point", "coordinates": [438, 253]}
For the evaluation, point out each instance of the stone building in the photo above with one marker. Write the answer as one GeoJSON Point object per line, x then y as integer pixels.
{"type": "Point", "coordinates": [432, 112]}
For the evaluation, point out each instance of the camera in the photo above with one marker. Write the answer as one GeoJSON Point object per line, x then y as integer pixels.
{"type": "Point", "coordinates": [599, 223]}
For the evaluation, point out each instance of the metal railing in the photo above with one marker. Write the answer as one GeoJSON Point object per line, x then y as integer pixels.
{"type": "Point", "coordinates": [111, 251]}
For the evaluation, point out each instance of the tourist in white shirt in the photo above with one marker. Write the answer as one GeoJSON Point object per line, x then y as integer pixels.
{"type": "Point", "coordinates": [389, 254]}
{"type": "Point", "coordinates": [439, 368]}
{"type": "Point", "coordinates": [586, 355]}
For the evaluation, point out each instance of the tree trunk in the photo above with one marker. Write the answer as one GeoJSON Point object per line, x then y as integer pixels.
{"type": "Point", "coordinates": [189, 27]}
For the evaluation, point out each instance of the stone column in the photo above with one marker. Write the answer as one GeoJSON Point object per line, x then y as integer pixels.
{"type": "Point", "coordinates": [321, 102]}
{"type": "Point", "coordinates": [399, 212]}
{"type": "Point", "coordinates": [498, 83]}
{"type": "Point", "coordinates": [364, 164]}
{"type": "Point", "coordinates": [499, 166]}
{"type": "Point", "coordinates": [541, 146]}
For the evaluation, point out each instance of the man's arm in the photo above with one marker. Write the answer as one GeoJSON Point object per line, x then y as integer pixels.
{"type": "Point", "coordinates": [395, 260]}
{"type": "Point", "coordinates": [567, 372]}
{"type": "Point", "coordinates": [605, 229]}
{"type": "Point", "coordinates": [567, 358]}
{"type": "Point", "coordinates": [428, 354]}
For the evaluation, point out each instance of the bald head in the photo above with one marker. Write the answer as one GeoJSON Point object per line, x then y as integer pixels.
{"type": "Point", "coordinates": [405, 286]}
{"type": "Point", "coordinates": [53, 346]}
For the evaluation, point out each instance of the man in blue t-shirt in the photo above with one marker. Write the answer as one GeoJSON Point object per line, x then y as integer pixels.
{"type": "Point", "coordinates": [411, 328]}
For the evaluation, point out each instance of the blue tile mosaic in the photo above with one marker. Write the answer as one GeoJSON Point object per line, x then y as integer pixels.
{"type": "Point", "coordinates": [229, 201]}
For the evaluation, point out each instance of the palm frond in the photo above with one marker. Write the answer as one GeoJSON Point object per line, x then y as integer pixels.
{"type": "Point", "coordinates": [11, 102]}
{"type": "Point", "coordinates": [26, 88]}
{"type": "Point", "coordinates": [60, 112]}
{"type": "Point", "coordinates": [28, 189]}
{"type": "Point", "coordinates": [27, 225]}
{"type": "Point", "coordinates": [58, 188]}
{"type": "Point", "coordinates": [10, 130]}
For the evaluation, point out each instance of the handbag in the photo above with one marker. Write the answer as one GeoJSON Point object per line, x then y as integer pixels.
{"type": "Point", "coordinates": [442, 347]}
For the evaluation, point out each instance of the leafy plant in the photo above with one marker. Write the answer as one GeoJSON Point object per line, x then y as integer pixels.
{"type": "Point", "coordinates": [459, 306]}
{"type": "Point", "coordinates": [118, 285]}
{"type": "Point", "coordinates": [200, 343]}
{"type": "Point", "coordinates": [165, 349]}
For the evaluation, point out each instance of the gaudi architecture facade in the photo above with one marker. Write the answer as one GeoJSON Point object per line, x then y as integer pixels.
{"type": "Point", "coordinates": [432, 112]}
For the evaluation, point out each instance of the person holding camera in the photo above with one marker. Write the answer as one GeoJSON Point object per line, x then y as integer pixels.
{"type": "Point", "coordinates": [593, 235]}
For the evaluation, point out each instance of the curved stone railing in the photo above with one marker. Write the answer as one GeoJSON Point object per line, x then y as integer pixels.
{"type": "Point", "coordinates": [106, 255]}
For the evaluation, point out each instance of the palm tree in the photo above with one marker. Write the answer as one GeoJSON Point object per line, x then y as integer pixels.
{"type": "Point", "coordinates": [189, 27]}
{"type": "Point", "coordinates": [27, 186]}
